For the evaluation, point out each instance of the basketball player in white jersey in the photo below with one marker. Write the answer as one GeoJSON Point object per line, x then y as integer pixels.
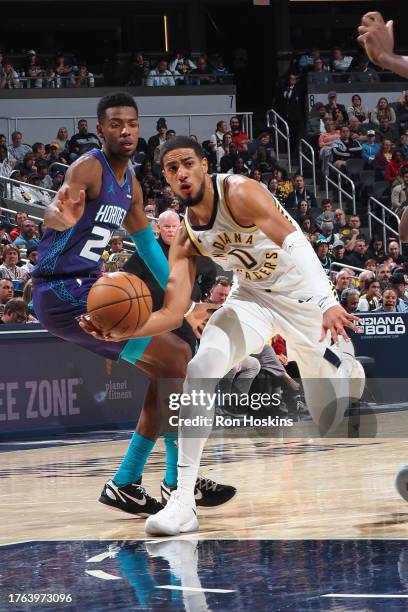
{"type": "Point", "coordinates": [282, 289]}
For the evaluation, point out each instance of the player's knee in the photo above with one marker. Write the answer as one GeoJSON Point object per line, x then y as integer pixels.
{"type": "Point", "coordinates": [177, 368]}
{"type": "Point", "coordinates": [205, 365]}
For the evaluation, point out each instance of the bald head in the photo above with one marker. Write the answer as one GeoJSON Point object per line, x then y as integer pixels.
{"type": "Point", "coordinates": [169, 222]}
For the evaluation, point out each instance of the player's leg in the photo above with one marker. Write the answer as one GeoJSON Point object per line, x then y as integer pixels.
{"type": "Point", "coordinates": [331, 376]}
{"type": "Point", "coordinates": [231, 335]}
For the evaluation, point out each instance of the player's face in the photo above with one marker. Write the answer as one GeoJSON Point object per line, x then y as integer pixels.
{"type": "Point", "coordinates": [185, 172]}
{"type": "Point", "coordinates": [120, 131]}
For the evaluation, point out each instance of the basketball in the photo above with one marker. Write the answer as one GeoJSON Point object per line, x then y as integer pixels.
{"type": "Point", "coordinates": [119, 303]}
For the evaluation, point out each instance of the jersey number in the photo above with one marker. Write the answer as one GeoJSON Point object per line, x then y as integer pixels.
{"type": "Point", "coordinates": [91, 245]}
{"type": "Point", "coordinates": [244, 257]}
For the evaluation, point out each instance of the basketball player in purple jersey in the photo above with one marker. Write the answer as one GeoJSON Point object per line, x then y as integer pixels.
{"type": "Point", "coordinates": [99, 195]}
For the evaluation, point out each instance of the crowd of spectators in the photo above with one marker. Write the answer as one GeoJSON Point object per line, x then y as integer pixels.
{"type": "Point", "coordinates": [64, 70]}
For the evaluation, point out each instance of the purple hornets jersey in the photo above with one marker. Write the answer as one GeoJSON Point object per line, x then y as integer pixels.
{"type": "Point", "coordinates": [77, 251]}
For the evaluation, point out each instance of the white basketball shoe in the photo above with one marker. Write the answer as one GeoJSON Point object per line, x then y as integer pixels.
{"type": "Point", "coordinates": [174, 519]}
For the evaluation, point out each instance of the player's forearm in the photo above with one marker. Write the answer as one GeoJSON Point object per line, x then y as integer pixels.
{"type": "Point", "coordinates": [307, 263]}
{"type": "Point", "coordinates": [395, 63]}
{"type": "Point", "coordinates": [159, 322]}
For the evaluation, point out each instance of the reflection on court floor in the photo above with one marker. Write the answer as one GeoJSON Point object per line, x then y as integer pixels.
{"type": "Point", "coordinates": [198, 576]}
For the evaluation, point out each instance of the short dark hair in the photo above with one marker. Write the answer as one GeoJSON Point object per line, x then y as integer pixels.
{"type": "Point", "coordinates": [115, 99]}
{"type": "Point", "coordinates": [181, 142]}
{"type": "Point", "coordinates": [16, 305]}
{"type": "Point", "coordinates": [36, 146]}
{"type": "Point", "coordinates": [222, 280]}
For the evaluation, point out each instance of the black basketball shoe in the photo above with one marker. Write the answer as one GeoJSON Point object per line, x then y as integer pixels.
{"type": "Point", "coordinates": [206, 492]}
{"type": "Point", "coordinates": [131, 498]}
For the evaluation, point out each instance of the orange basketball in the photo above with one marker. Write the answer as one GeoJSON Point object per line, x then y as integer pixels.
{"type": "Point", "coordinates": [119, 303]}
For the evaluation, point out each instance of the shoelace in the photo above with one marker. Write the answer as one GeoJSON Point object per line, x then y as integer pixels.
{"type": "Point", "coordinates": [206, 483]}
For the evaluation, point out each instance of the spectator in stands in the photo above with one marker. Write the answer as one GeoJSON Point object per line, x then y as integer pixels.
{"type": "Point", "coordinates": [6, 166]}
{"type": "Point", "coordinates": [350, 299]}
{"type": "Point", "coordinates": [358, 255]}
{"type": "Point", "coordinates": [383, 276]}
{"type": "Point", "coordinates": [18, 149]}
{"type": "Point", "coordinates": [345, 148]}
{"type": "Point", "coordinates": [382, 159]}
{"type": "Point", "coordinates": [333, 106]}
{"type": "Point", "coordinates": [273, 187]}
{"type": "Point", "coordinates": [370, 298]}
{"type": "Point", "coordinates": [376, 249]}
{"type": "Point", "coordinates": [220, 71]}
{"type": "Point", "coordinates": [4, 237]}
{"type": "Point", "coordinates": [338, 252]}
{"type": "Point", "coordinates": [354, 223]}
{"type": "Point", "coordinates": [326, 141]}
{"type": "Point", "coordinates": [327, 212]}
{"type": "Point", "coordinates": [341, 226]}
{"type": "Point", "coordinates": [382, 109]}
{"type": "Point", "coordinates": [291, 104]}
{"type": "Point", "coordinates": [239, 166]}
{"type": "Point", "coordinates": [32, 257]}
{"type": "Point", "coordinates": [160, 76]}
{"type": "Point", "coordinates": [357, 130]}
{"type": "Point", "coordinates": [371, 265]}
{"type": "Point", "coordinates": [15, 311]}
{"type": "Point", "coordinates": [42, 171]}
{"type": "Point", "coordinates": [362, 71]}
{"type": "Point", "coordinates": [326, 232]}
{"type": "Point", "coordinates": [306, 225]}
{"type": "Point", "coordinates": [138, 70]}
{"type": "Point", "coordinates": [220, 290]}
{"type": "Point", "coordinates": [393, 167]}
{"type": "Point", "coordinates": [340, 118]}
{"type": "Point", "coordinates": [315, 124]}
{"type": "Point", "coordinates": [28, 163]}
{"type": "Point", "coordinates": [239, 137]}
{"type": "Point", "coordinates": [322, 252]}
{"type": "Point", "coordinates": [9, 77]}
{"type": "Point", "coordinates": [61, 68]}
{"type": "Point", "coordinates": [62, 139]}
{"type": "Point", "coordinates": [220, 131]}
{"type": "Point", "coordinates": [182, 63]}
{"type": "Point", "coordinates": [263, 161]}
{"type": "Point", "coordinates": [363, 277]}
{"type": "Point", "coordinates": [319, 75]}
{"type": "Point", "coordinates": [83, 141]}
{"type": "Point", "coordinates": [339, 61]}
{"type": "Point", "coordinates": [307, 60]}
{"type": "Point", "coordinates": [398, 282]}
{"type": "Point", "coordinates": [399, 193]}
{"type": "Point", "coordinates": [203, 74]}
{"type": "Point", "coordinates": [57, 180]}
{"type": "Point", "coordinates": [389, 301]}
{"type": "Point", "coordinates": [385, 130]}
{"type": "Point", "coordinates": [357, 110]}
{"type": "Point", "coordinates": [82, 78]}
{"type": "Point", "coordinates": [285, 185]}
{"type": "Point", "coordinates": [19, 219]}
{"type": "Point", "coordinates": [300, 193]}
{"type": "Point", "coordinates": [6, 292]}
{"type": "Point", "coordinates": [39, 150]}
{"type": "Point", "coordinates": [370, 148]}
{"type": "Point", "coordinates": [159, 138]}
{"type": "Point", "coordinates": [394, 252]}
{"type": "Point", "coordinates": [401, 108]}
{"type": "Point", "coordinates": [256, 175]}
{"type": "Point", "coordinates": [302, 211]}
{"type": "Point", "coordinates": [343, 281]}
{"type": "Point", "coordinates": [27, 235]}
{"type": "Point", "coordinates": [170, 134]}
{"type": "Point", "coordinates": [403, 142]}
{"type": "Point", "coordinates": [10, 268]}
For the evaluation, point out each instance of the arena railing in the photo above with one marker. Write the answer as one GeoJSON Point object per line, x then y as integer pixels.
{"type": "Point", "coordinates": [338, 186]}
{"type": "Point", "coordinates": [9, 187]}
{"type": "Point", "coordinates": [373, 203]}
{"type": "Point", "coordinates": [281, 132]}
{"type": "Point", "coordinates": [340, 265]}
{"type": "Point", "coordinates": [58, 82]}
{"type": "Point", "coordinates": [246, 118]}
{"type": "Point", "coordinates": [303, 157]}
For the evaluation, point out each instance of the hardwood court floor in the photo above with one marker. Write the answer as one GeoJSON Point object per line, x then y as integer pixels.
{"type": "Point", "coordinates": [291, 489]}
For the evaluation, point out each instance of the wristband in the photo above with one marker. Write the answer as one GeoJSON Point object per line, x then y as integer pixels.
{"type": "Point", "coordinates": [190, 310]}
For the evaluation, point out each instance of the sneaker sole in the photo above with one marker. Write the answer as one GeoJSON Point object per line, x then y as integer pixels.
{"type": "Point", "coordinates": [186, 528]}
{"type": "Point", "coordinates": [139, 514]}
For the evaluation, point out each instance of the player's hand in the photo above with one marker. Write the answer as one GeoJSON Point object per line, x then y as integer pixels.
{"type": "Point", "coordinates": [86, 324]}
{"type": "Point", "coordinates": [335, 319]}
{"type": "Point", "coordinates": [283, 359]}
{"type": "Point", "coordinates": [199, 317]}
{"type": "Point", "coordinates": [376, 37]}
{"type": "Point", "coordinates": [68, 210]}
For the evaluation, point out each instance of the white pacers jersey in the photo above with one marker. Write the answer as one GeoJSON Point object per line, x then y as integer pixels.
{"type": "Point", "coordinates": [256, 260]}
